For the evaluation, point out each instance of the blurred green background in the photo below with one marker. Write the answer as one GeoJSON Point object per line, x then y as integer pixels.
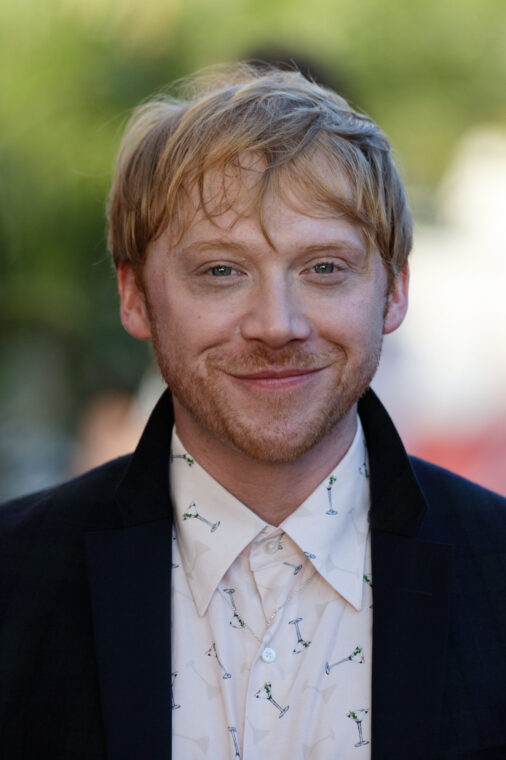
{"type": "Point", "coordinates": [70, 71]}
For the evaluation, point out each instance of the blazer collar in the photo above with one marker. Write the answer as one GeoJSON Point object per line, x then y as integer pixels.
{"type": "Point", "coordinates": [129, 579]}
{"type": "Point", "coordinates": [410, 580]}
{"type": "Point", "coordinates": [143, 493]}
{"type": "Point", "coordinates": [397, 502]}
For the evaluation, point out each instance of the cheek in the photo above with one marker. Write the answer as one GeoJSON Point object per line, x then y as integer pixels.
{"type": "Point", "coordinates": [353, 323]}
{"type": "Point", "coordinates": [190, 332]}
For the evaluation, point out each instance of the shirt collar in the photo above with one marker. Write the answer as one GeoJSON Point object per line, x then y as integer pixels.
{"type": "Point", "coordinates": [330, 526]}
{"type": "Point", "coordinates": [212, 526]}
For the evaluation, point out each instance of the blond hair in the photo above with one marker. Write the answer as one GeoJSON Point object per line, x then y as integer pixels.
{"type": "Point", "coordinates": [333, 157]}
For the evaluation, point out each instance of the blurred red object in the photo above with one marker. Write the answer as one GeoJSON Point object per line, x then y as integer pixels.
{"type": "Point", "coordinates": [479, 456]}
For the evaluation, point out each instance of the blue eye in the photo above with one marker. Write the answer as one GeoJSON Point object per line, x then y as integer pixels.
{"type": "Point", "coordinates": [326, 267]}
{"type": "Point", "coordinates": [221, 270]}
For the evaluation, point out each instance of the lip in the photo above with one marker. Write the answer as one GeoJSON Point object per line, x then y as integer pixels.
{"type": "Point", "coordinates": [270, 379]}
{"type": "Point", "coordinates": [273, 374]}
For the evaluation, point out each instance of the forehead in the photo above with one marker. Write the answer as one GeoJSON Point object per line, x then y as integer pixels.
{"type": "Point", "coordinates": [283, 231]}
{"type": "Point", "coordinates": [248, 190]}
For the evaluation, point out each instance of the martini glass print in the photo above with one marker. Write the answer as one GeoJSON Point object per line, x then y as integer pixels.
{"type": "Point", "coordinates": [237, 621]}
{"type": "Point", "coordinates": [189, 460]}
{"type": "Point", "coordinates": [192, 513]}
{"type": "Point", "coordinates": [368, 580]}
{"type": "Point", "coordinates": [172, 679]}
{"type": "Point", "coordinates": [301, 644]}
{"type": "Point", "coordinates": [212, 651]}
{"type": "Point", "coordinates": [266, 693]}
{"type": "Point", "coordinates": [233, 731]}
{"type": "Point", "coordinates": [358, 716]}
{"type": "Point", "coordinates": [363, 469]}
{"type": "Point", "coordinates": [356, 656]}
{"type": "Point", "coordinates": [296, 568]}
{"type": "Point", "coordinates": [330, 510]}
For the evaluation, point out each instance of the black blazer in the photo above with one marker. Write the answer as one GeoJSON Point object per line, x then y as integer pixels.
{"type": "Point", "coordinates": [85, 609]}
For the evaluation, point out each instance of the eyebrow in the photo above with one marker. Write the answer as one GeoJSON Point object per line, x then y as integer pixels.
{"type": "Point", "coordinates": [224, 244]}
{"type": "Point", "coordinates": [335, 245]}
{"type": "Point", "coordinates": [213, 245]}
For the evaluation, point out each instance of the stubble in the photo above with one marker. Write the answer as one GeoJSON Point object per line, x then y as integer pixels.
{"type": "Point", "coordinates": [277, 427]}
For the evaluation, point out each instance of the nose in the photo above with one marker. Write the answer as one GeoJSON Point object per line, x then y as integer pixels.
{"type": "Point", "coordinates": [274, 315]}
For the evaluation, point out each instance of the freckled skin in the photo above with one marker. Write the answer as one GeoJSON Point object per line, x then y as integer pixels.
{"type": "Point", "coordinates": [223, 306]}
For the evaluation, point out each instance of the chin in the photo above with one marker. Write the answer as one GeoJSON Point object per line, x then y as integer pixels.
{"type": "Point", "coordinates": [275, 438]}
{"type": "Point", "coordinates": [273, 448]}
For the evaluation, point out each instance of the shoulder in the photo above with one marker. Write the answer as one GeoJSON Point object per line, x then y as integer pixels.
{"type": "Point", "coordinates": [80, 503]}
{"type": "Point", "coordinates": [436, 481]}
{"type": "Point", "coordinates": [42, 549]}
{"type": "Point", "coordinates": [438, 484]}
{"type": "Point", "coordinates": [458, 507]}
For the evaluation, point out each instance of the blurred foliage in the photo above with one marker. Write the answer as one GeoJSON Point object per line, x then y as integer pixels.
{"type": "Point", "coordinates": [70, 70]}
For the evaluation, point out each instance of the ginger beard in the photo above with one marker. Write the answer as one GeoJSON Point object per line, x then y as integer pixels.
{"type": "Point", "coordinates": [278, 427]}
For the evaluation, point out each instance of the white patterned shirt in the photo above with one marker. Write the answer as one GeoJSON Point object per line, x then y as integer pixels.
{"type": "Point", "coordinates": [299, 687]}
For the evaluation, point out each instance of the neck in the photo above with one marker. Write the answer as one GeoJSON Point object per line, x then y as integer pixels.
{"type": "Point", "coordinates": [272, 490]}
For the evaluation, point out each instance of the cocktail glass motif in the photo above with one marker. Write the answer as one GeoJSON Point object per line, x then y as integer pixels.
{"type": "Point", "coordinates": [266, 693]}
{"type": "Point", "coordinates": [296, 568]}
{"type": "Point", "coordinates": [212, 651]}
{"type": "Point", "coordinates": [301, 644]}
{"type": "Point", "coordinates": [192, 512]}
{"type": "Point", "coordinates": [237, 621]}
{"type": "Point", "coordinates": [363, 469]}
{"type": "Point", "coordinates": [330, 510]}
{"type": "Point", "coordinates": [358, 716]}
{"type": "Point", "coordinates": [368, 580]}
{"type": "Point", "coordinates": [356, 656]}
{"type": "Point", "coordinates": [233, 731]}
{"type": "Point", "coordinates": [172, 679]}
{"type": "Point", "coordinates": [189, 460]}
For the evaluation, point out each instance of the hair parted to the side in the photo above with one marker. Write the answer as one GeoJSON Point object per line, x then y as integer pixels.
{"type": "Point", "coordinates": [311, 144]}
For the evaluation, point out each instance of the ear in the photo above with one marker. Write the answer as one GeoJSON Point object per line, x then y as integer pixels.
{"type": "Point", "coordinates": [397, 301]}
{"type": "Point", "coordinates": [133, 310]}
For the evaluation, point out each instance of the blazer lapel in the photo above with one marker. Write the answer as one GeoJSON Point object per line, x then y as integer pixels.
{"type": "Point", "coordinates": [129, 574]}
{"type": "Point", "coordinates": [410, 628]}
{"type": "Point", "coordinates": [129, 578]}
{"type": "Point", "coordinates": [410, 601]}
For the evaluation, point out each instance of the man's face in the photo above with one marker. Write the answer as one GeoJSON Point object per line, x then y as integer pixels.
{"type": "Point", "coordinates": [266, 350]}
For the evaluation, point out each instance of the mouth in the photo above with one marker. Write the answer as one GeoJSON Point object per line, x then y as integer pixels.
{"type": "Point", "coordinates": [270, 379]}
{"type": "Point", "coordinates": [274, 374]}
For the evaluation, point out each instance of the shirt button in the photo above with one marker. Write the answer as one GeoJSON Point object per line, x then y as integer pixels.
{"type": "Point", "coordinates": [268, 655]}
{"type": "Point", "coordinates": [271, 546]}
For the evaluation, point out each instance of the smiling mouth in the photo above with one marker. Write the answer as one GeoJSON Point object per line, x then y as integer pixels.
{"type": "Point", "coordinates": [282, 374]}
{"type": "Point", "coordinates": [277, 380]}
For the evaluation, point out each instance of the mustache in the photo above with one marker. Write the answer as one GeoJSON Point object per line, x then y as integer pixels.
{"type": "Point", "coordinates": [265, 358]}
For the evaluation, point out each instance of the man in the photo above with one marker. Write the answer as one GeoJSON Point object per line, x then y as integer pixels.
{"type": "Point", "coordinates": [322, 594]}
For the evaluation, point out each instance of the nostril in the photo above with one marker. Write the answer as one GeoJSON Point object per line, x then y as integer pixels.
{"type": "Point", "coordinates": [276, 325]}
